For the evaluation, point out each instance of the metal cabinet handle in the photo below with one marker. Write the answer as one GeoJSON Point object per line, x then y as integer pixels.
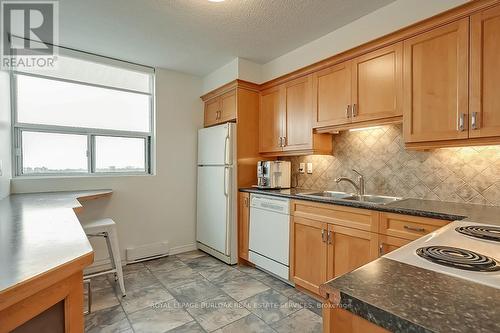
{"type": "Point", "coordinates": [284, 141]}
{"type": "Point", "coordinates": [347, 113]}
{"type": "Point", "coordinates": [280, 144]}
{"type": "Point", "coordinates": [329, 237]}
{"type": "Point", "coordinates": [473, 121]}
{"type": "Point", "coordinates": [461, 122]}
{"type": "Point", "coordinates": [354, 111]}
{"type": "Point", "coordinates": [245, 202]}
{"type": "Point", "coordinates": [407, 227]}
{"type": "Point", "coordinates": [323, 236]}
{"type": "Point", "coordinates": [381, 250]}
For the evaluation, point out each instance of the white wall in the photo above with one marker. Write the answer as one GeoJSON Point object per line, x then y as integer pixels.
{"type": "Point", "coordinates": [238, 68]}
{"type": "Point", "coordinates": [150, 209]}
{"type": "Point", "coordinates": [221, 76]}
{"type": "Point", "coordinates": [5, 137]}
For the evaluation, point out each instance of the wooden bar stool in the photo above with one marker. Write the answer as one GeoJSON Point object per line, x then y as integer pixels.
{"type": "Point", "coordinates": [107, 228]}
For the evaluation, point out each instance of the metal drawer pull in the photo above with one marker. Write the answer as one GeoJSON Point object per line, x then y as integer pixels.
{"type": "Point", "coordinates": [473, 121]}
{"type": "Point", "coordinates": [461, 122]}
{"type": "Point", "coordinates": [347, 114]}
{"type": "Point", "coordinates": [354, 111]}
{"type": "Point", "coordinates": [407, 227]}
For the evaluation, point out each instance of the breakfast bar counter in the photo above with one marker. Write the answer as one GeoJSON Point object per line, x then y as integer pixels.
{"type": "Point", "coordinates": [43, 251]}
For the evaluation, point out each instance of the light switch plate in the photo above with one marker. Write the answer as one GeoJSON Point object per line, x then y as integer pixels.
{"type": "Point", "coordinates": [309, 168]}
{"type": "Point", "coordinates": [302, 167]}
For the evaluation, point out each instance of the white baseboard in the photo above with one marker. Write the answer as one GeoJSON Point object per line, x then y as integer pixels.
{"type": "Point", "coordinates": [104, 264]}
{"type": "Point", "coordinates": [182, 249]}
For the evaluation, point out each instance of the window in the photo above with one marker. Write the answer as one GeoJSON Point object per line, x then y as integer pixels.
{"type": "Point", "coordinates": [92, 115]}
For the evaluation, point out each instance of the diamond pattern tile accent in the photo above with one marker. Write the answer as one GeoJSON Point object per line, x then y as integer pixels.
{"type": "Point", "coordinates": [467, 174]}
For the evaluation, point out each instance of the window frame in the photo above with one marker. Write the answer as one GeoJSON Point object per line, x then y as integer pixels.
{"type": "Point", "coordinates": [17, 128]}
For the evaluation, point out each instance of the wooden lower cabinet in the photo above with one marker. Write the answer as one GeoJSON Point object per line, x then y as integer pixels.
{"type": "Point", "coordinates": [388, 244]}
{"type": "Point", "coordinates": [337, 320]}
{"type": "Point", "coordinates": [309, 258]}
{"type": "Point", "coordinates": [406, 226]}
{"type": "Point", "coordinates": [243, 224]}
{"type": "Point", "coordinates": [349, 249]}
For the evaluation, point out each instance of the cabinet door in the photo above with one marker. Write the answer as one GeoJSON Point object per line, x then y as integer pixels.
{"type": "Point", "coordinates": [485, 71]}
{"type": "Point", "coordinates": [270, 121]}
{"type": "Point", "coordinates": [388, 244]}
{"type": "Point", "coordinates": [308, 242]}
{"type": "Point", "coordinates": [212, 108]}
{"type": "Point", "coordinates": [332, 95]}
{"type": "Point", "coordinates": [377, 84]}
{"type": "Point", "coordinates": [243, 225]}
{"type": "Point", "coordinates": [298, 116]}
{"type": "Point", "coordinates": [228, 106]}
{"type": "Point", "coordinates": [349, 249]}
{"type": "Point", "coordinates": [436, 84]}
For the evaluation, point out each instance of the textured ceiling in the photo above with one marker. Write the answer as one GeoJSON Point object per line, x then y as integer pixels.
{"type": "Point", "coordinates": [198, 36]}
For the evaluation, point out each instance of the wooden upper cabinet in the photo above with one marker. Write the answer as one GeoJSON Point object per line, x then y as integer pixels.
{"type": "Point", "coordinates": [212, 108]}
{"type": "Point", "coordinates": [220, 109]}
{"type": "Point", "coordinates": [270, 121]}
{"type": "Point", "coordinates": [436, 84]}
{"type": "Point", "coordinates": [308, 241]}
{"type": "Point", "coordinates": [484, 74]}
{"type": "Point", "coordinates": [349, 249]}
{"type": "Point", "coordinates": [286, 121]}
{"type": "Point", "coordinates": [332, 95]}
{"type": "Point", "coordinates": [228, 106]}
{"type": "Point", "coordinates": [377, 84]}
{"type": "Point", "coordinates": [298, 129]}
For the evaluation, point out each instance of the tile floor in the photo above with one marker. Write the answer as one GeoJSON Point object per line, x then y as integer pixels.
{"type": "Point", "coordinates": [193, 292]}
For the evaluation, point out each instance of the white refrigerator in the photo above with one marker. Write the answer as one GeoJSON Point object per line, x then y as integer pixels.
{"type": "Point", "coordinates": [216, 221]}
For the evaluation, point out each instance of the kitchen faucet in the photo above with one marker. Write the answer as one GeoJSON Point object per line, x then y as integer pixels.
{"type": "Point", "coordinates": [360, 186]}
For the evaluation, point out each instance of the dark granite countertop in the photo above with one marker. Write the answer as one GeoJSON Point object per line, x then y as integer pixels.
{"type": "Point", "coordinates": [405, 298]}
{"type": "Point", "coordinates": [450, 211]}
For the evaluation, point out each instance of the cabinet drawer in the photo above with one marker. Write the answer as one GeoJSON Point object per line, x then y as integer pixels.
{"type": "Point", "coordinates": [408, 227]}
{"type": "Point", "coordinates": [362, 219]}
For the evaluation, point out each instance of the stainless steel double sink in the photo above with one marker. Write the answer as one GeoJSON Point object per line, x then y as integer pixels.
{"type": "Point", "coordinates": [367, 198]}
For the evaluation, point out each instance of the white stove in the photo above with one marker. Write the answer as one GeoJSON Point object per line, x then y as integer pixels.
{"type": "Point", "coordinates": [465, 250]}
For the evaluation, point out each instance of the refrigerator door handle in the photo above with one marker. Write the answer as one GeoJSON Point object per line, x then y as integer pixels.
{"type": "Point", "coordinates": [227, 157]}
{"type": "Point", "coordinates": [227, 170]}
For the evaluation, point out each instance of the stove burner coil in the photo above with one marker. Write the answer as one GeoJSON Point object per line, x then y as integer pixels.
{"type": "Point", "coordinates": [458, 258]}
{"type": "Point", "coordinates": [481, 232]}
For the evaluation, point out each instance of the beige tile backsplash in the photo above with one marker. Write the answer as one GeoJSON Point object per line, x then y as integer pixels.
{"type": "Point", "coordinates": [470, 174]}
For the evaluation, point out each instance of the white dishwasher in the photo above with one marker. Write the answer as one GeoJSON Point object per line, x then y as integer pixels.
{"type": "Point", "coordinates": [269, 234]}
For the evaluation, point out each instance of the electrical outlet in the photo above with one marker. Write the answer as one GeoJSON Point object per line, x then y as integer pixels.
{"type": "Point", "coordinates": [309, 168]}
{"type": "Point", "coordinates": [302, 167]}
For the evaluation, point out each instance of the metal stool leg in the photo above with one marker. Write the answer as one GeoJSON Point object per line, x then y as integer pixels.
{"type": "Point", "coordinates": [112, 241]}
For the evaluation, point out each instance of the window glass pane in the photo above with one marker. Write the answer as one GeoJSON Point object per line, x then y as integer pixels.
{"type": "Point", "coordinates": [49, 102]}
{"type": "Point", "coordinates": [117, 154]}
{"type": "Point", "coordinates": [53, 153]}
